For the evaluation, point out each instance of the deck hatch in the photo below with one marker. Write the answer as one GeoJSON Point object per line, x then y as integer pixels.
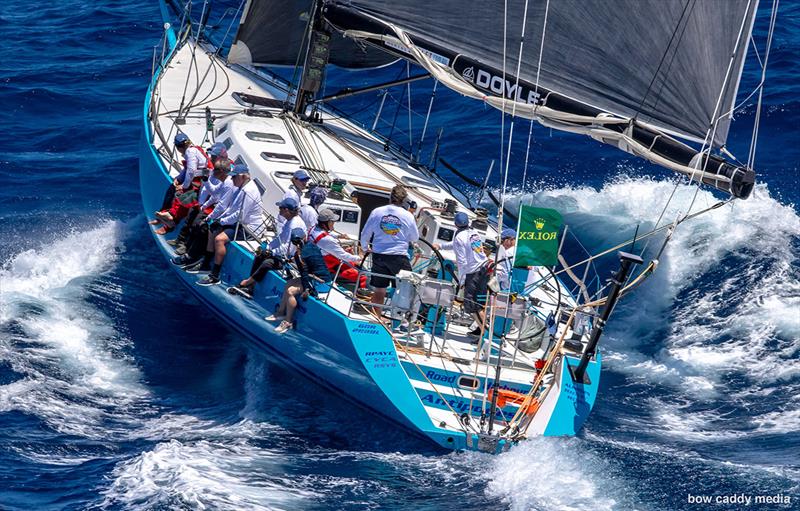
{"type": "Point", "coordinates": [287, 158]}
{"type": "Point", "coordinates": [259, 136]}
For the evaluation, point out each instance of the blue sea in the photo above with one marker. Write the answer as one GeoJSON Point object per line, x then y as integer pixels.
{"type": "Point", "coordinates": [119, 391]}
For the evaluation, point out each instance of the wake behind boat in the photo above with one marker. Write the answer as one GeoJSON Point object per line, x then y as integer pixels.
{"type": "Point", "coordinates": [531, 365]}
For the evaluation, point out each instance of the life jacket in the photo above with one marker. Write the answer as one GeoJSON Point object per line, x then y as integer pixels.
{"type": "Point", "coordinates": [331, 261]}
{"type": "Point", "coordinates": [209, 165]}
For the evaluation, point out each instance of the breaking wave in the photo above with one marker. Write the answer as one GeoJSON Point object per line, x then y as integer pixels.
{"type": "Point", "coordinates": [67, 355]}
{"type": "Point", "coordinates": [708, 347]}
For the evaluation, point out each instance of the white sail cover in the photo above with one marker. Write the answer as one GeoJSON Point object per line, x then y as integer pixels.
{"type": "Point", "coordinates": [674, 64]}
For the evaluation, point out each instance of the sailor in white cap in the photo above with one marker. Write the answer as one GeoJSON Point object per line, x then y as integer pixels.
{"type": "Point", "coordinates": [238, 216]}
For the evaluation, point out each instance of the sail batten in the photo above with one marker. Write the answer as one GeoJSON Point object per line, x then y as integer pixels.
{"type": "Point", "coordinates": [666, 63]}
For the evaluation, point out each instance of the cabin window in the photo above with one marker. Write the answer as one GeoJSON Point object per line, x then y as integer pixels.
{"type": "Point", "coordinates": [445, 234]}
{"type": "Point", "coordinates": [238, 160]}
{"type": "Point", "coordinates": [228, 143]}
{"type": "Point", "coordinates": [258, 136]}
{"type": "Point", "coordinates": [222, 129]}
{"type": "Point", "coordinates": [287, 158]}
{"type": "Point", "coordinates": [424, 231]}
{"type": "Point", "coordinates": [467, 382]}
{"type": "Point", "coordinates": [349, 216]}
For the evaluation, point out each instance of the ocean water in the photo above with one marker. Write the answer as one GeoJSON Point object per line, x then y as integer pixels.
{"type": "Point", "coordinates": [119, 391]}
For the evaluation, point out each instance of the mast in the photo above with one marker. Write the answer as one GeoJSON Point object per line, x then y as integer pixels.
{"type": "Point", "coordinates": [316, 58]}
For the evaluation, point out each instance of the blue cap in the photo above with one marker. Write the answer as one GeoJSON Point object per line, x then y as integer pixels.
{"type": "Point", "coordinates": [298, 234]}
{"type": "Point", "coordinates": [461, 219]}
{"type": "Point", "coordinates": [181, 138]}
{"type": "Point", "coordinates": [239, 168]}
{"type": "Point", "coordinates": [218, 150]}
{"type": "Point", "coordinates": [318, 195]}
{"type": "Point", "coordinates": [508, 233]}
{"type": "Point", "coordinates": [288, 203]}
{"type": "Point", "coordinates": [301, 174]}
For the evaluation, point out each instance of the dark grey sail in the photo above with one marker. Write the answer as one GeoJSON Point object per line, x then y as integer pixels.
{"type": "Point", "coordinates": [271, 33]}
{"type": "Point", "coordinates": [659, 67]}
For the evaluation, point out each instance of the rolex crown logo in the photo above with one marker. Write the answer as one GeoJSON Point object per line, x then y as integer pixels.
{"type": "Point", "coordinates": [539, 223]}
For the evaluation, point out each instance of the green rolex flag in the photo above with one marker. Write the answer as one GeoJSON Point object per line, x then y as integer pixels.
{"type": "Point", "coordinates": [537, 237]}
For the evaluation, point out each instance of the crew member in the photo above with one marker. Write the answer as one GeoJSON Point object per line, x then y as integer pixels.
{"type": "Point", "coordinates": [193, 237]}
{"type": "Point", "coordinates": [278, 250]}
{"type": "Point", "coordinates": [334, 254]}
{"type": "Point", "coordinates": [195, 161]}
{"type": "Point", "coordinates": [299, 183]}
{"type": "Point", "coordinates": [310, 211]}
{"type": "Point", "coordinates": [467, 245]}
{"type": "Point", "coordinates": [505, 258]}
{"type": "Point", "coordinates": [243, 212]}
{"type": "Point", "coordinates": [308, 259]}
{"type": "Point", "coordinates": [388, 231]}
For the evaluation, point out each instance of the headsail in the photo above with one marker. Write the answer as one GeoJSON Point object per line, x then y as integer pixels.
{"type": "Point", "coordinates": [272, 32]}
{"type": "Point", "coordinates": [629, 73]}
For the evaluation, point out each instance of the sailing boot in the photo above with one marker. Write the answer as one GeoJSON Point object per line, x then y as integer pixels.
{"type": "Point", "coordinates": [202, 266]}
{"type": "Point", "coordinates": [212, 278]}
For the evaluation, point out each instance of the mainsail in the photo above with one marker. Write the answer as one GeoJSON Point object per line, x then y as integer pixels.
{"type": "Point", "coordinates": [272, 32]}
{"type": "Point", "coordinates": [632, 73]}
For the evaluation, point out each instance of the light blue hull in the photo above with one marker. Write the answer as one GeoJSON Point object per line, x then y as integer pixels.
{"type": "Point", "coordinates": [353, 358]}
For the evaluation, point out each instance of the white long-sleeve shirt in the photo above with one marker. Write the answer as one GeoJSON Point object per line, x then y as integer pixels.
{"type": "Point", "coordinates": [214, 190]}
{"type": "Point", "coordinates": [244, 205]}
{"type": "Point", "coordinates": [391, 228]}
{"type": "Point", "coordinates": [291, 193]}
{"type": "Point", "coordinates": [282, 243]}
{"type": "Point", "coordinates": [467, 245]}
{"type": "Point", "coordinates": [329, 245]}
{"type": "Point", "coordinates": [196, 163]}
{"type": "Point", "coordinates": [309, 215]}
{"type": "Point", "coordinates": [505, 266]}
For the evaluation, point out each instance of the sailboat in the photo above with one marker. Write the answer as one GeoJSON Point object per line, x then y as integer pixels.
{"type": "Point", "coordinates": [656, 79]}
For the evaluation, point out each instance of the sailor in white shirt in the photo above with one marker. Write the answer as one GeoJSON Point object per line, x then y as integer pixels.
{"type": "Point", "coordinates": [242, 209]}
{"type": "Point", "coordinates": [467, 245]}
{"type": "Point", "coordinates": [322, 236]}
{"type": "Point", "coordinates": [300, 180]}
{"type": "Point", "coordinates": [193, 236]}
{"type": "Point", "coordinates": [218, 183]}
{"type": "Point", "coordinates": [195, 165]}
{"type": "Point", "coordinates": [387, 233]}
{"type": "Point", "coordinates": [195, 162]}
{"type": "Point", "coordinates": [505, 258]}
{"type": "Point", "coordinates": [281, 245]}
{"type": "Point", "coordinates": [218, 186]}
{"type": "Point", "coordinates": [280, 248]}
{"type": "Point", "coordinates": [309, 212]}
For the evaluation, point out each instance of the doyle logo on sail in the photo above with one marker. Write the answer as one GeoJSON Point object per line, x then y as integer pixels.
{"type": "Point", "coordinates": [469, 74]}
{"type": "Point", "coordinates": [508, 87]}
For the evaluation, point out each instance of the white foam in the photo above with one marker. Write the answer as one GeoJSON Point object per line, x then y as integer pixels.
{"type": "Point", "coordinates": [205, 475]}
{"type": "Point", "coordinates": [743, 325]}
{"type": "Point", "coordinates": [552, 473]}
{"type": "Point", "coordinates": [72, 380]}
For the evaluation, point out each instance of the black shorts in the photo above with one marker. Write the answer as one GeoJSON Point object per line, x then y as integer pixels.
{"type": "Point", "coordinates": [230, 231]}
{"type": "Point", "coordinates": [476, 287]}
{"type": "Point", "coordinates": [387, 264]}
